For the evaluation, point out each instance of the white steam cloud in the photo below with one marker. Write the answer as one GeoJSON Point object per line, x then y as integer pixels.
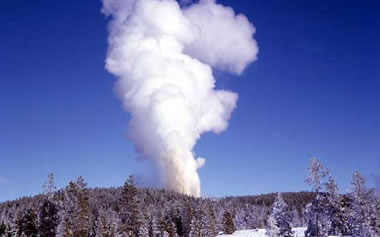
{"type": "Point", "coordinates": [162, 56]}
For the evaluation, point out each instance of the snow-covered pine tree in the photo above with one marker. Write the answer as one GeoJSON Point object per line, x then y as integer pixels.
{"type": "Point", "coordinates": [27, 224]}
{"type": "Point", "coordinates": [272, 230]}
{"type": "Point", "coordinates": [161, 223]}
{"type": "Point", "coordinates": [49, 187]}
{"type": "Point", "coordinates": [143, 231]}
{"type": "Point", "coordinates": [48, 218]}
{"type": "Point", "coordinates": [171, 228]}
{"type": "Point", "coordinates": [82, 225]}
{"type": "Point", "coordinates": [3, 229]}
{"type": "Point", "coordinates": [101, 223]}
{"type": "Point", "coordinates": [280, 219]}
{"type": "Point", "coordinates": [333, 202]}
{"type": "Point", "coordinates": [63, 228]}
{"type": "Point", "coordinates": [129, 212]}
{"type": "Point", "coordinates": [316, 174]}
{"type": "Point", "coordinates": [195, 230]}
{"type": "Point", "coordinates": [375, 217]}
{"type": "Point", "coordinates": [228, 223]}
{"type": "Point", "coordinates": [202, 219]}
{"type": "Point", "coordinates": [9, 231]}
{"type": "Point", "coordinates": [107, 224]}
{"type": "Point", "coordinates": [153, 230]}
{"type": "Point", "coordinates": [318, 223]}
{"type": "Point", "coordinates": [211, 221]}
{"type": "Point", "coordinates": [187, 218]}
{"type": "Point", "coordinates": [48, 211]}
{"type": "Point", "coordinates": [176, 217]}
{"type": "Point", "coordinates": [75, 212]}
{"type": "Point", "coordinates": [362, 202]}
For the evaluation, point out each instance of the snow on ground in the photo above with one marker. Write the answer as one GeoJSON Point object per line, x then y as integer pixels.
{"type": "Point", "coordinates": [298, 232]}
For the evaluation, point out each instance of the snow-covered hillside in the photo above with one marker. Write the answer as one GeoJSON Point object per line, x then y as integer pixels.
{"type": "Point", "coordinates": [298, 232]}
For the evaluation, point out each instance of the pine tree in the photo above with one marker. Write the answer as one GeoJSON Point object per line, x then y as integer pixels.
{"type": "Point", "coordinates": [49, 187]}
{"type": "Point", "coordinates": [75, 213]}
{"type": "Point", "coordinates": [152, 227]}
{"type": "Point", "coordinates": [317, 221]}
{"type": "Point", "coordinates": [129, 213]}
{"type": "Point", "coordinates": [375, 217]}
{"type": "Point", "coordinates": [334, 209]}
{"type": "Point", "coordinates": [177, 219]}
{"type": "Point", "coordinates": [211, 222]}
{"type": "Point", "coordinates": [280, 219]}
{"type": "Point", "coordinates": [3, 229]}
{"type": "Point", "coordinates": [188, 216]}
{"type": "Point", "coordinates": [316, 173]}
{"type": "Point", "coordinates": [194, 228]}
{"type": "Point", "coordinates": [48, 216]}
{"type": "Point", "coordinates": [48, 213]}
{"type": "Point", "coordinates": [9, 231]}
{"type": "Point", "coordinates": [228, 223]}
{"type": "Point", "coordinates": [27, 224]}
{"type": "Point", "coordinates": [106, 225]}
{"type": "Point", "coordinates": [100, 227]}
{"type": "Point", "coordinates": [273, 230]}
{"type": "Point", "coordinates": [171, 228]}
{"type": "Point", "coordinates": [83, 220]}
{"type": "Point", "coordinates": [361, 207]}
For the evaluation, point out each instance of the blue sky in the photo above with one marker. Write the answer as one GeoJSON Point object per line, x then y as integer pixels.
{"type": "Point", "coordinates": [314, 91]}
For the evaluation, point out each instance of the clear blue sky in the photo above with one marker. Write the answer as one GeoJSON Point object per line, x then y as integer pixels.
{"type": "Point", "coordinates": [314, 91]}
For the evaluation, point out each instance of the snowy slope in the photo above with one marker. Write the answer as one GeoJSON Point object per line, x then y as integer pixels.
{"type": "Point", "coordinates": [298, 232]}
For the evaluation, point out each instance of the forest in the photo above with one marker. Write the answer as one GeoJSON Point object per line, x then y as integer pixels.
{"type": "Point", "coordinates": [79, 211]}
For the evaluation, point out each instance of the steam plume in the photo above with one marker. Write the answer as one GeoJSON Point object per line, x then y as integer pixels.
{"type": "Point", "coordinates": [162, 56]}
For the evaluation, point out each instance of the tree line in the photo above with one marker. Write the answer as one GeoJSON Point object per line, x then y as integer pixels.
{"type": "Point", "coordinates": [331, 213]}
{"type": "Point", "coordinates": [79, 211]}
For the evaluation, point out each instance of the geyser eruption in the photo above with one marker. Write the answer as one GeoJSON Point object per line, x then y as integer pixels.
{"type": "Point", "coordinates": [162, 55]}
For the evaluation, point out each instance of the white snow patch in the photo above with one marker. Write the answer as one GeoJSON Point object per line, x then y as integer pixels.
{"type": "Point", "coordinates": [298, 232]}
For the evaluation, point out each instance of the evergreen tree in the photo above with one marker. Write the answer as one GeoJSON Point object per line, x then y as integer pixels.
{"type": "Point", "coordinates": [273, 230]}
{"type": "Point", "coordinates": [188, 216]}
{"type": "Point", "coordinates": [280, 219]}
{"type": "Point", "coordinates": [171, 228]}
{"type": "Point", "coordinates": [106, 224]}
{"type": "Point", "coordinates": [177, 219]}
{"type": "Point", "coordinates": [48, 219]}
{"type": "Point", "coordinates": [334, 201]}
{"type": "Point", "coordinates": [316, 174]}
{"type": "Point", "coordinates": [228, 223]}
{"type": "Point", "coordinates": [27, 224]}
{"type": "Point", "coordinates": [375, 217]}
{"type": "Point", "coordinates": [75, 213]}
{"type": "Point", "coordinates": [211, 222]}
{"type": "Point", "coordinates": [152, 227]}
{"type": "Point", "coordinates": [195, 230]}
{"type": "Point", "coordinates": [9, 232]}
{"type": "Point", "coordinates": [318, 224]}
{"type": "Point", "coordinates": [361, 207]}
{"type": "Point", "coordinates": [48, 212]}
{"type": "Point", "coordinates": [49, 187]}
{"type": "Point", "coordinates": [3, 229]}
{"type": "Point", "coordinates": [82, 223]}
{"type": "Point", "coordinates": [129, 212]}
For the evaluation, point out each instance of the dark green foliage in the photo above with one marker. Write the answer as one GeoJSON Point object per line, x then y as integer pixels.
{"type": "Point", "coordinates": [83, 221]}
{"type": "Point", "coordinates": [48, 217]}
{"type": "Point", "coordinates": [228, 223]}
{"type": "Point", "coordinates": [3, 229]}
{"type": "Point", "coordinates": [27, 224]}
{"type": "Point", "coordinates": [188, 215]}
{"type": "Point", "coordinates": [211, 221]}
{"type": "Point", "coordinates": [129, 213]}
